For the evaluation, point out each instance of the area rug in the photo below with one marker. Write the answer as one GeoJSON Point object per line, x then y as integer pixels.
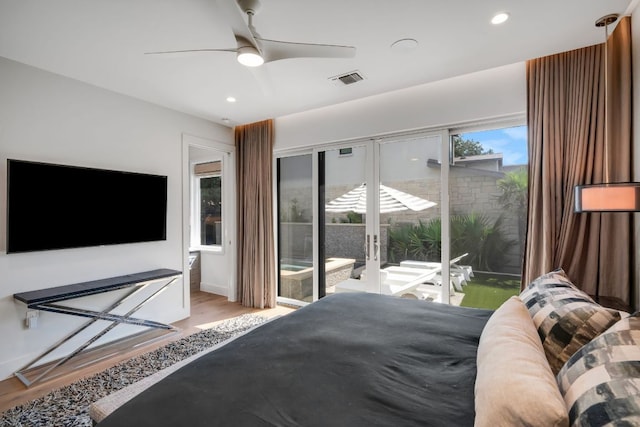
{"type": "Point", "coordinates": [69, 405]}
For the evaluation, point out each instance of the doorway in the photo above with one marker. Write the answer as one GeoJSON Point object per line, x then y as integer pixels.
{"type": "Point", "coordinates": [208, 217]}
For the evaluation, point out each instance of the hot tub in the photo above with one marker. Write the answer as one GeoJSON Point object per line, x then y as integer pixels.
{"type": "Point", "coordinates": [296, 276]}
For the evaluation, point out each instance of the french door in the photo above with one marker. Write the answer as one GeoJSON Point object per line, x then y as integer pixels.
{"type": "Point", "coordinates": [348, 237]}
{"type": "Point", "coordinates": [340, 206]}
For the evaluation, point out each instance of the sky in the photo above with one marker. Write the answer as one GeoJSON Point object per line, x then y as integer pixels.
{"type": "Point", "coordinates": [511, 142]}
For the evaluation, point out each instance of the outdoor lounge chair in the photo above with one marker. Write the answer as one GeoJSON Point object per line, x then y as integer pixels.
{"type": "Point", "coordinates": [460, 274]}
{"type": "Point", "coordinates": [430, 292]}
{"type": "Point", "coordinates": [404, 282]}
{"type": "Point", "coordinates": [420, 279]}
{"type": "Point", "coordinates": [456, 279]}
{"type": "Point", "coordinates": [397, 281]}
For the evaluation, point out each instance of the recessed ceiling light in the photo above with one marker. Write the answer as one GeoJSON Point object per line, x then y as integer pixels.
{"type": "Point", "coordinates": [231, 99]}
{"type": "Point", "coordinates": [499, 18]}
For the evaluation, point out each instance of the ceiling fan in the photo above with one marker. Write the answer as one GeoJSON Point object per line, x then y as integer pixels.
{"type": "Point", "coordinates": [253, 50]}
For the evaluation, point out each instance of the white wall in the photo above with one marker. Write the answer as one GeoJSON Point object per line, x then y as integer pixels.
{"type": "Point", "coordinates": [49, 118]}
{"type": "Point", "coordinates": [487, 94]}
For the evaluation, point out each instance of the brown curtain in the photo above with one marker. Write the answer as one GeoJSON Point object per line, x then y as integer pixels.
{"type": "Point", "coordinates": [566, 124]}
{"type": "Point", "coordinates": [256, 249]}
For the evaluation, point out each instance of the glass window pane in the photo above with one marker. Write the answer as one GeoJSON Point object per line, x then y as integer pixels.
{"type": "Point", "coordinates": [211, 210]}
{"type": "Point", "coordinates": [344, 228]}
{"type": "Point", "coordinates": [295, 217]}
{"type": "Point", "coordinates": [410, 210]}
{"type": "Point", "coordinates": [488, 204]}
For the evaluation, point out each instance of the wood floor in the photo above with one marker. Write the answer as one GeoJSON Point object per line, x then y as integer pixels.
{"type": "Point", "coordinates": [206, 310]}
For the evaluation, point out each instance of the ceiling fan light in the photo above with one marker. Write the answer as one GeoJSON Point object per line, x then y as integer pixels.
{"type": "Point", "coordinates": [249, 56]}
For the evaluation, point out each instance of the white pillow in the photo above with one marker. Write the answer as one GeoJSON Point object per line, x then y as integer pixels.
{"type": "Point", "coordinates": [515, 385]}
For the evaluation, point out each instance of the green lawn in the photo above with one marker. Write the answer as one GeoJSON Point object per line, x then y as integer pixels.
{"type": "Point", "coordinates": [486, 290]}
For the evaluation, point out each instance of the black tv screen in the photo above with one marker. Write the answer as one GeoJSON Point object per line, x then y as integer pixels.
{"type": "Point", "coordinates": [53, 206]}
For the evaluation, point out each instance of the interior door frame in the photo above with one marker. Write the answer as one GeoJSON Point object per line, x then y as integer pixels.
{"type": "Point", "coordinates": [227, 152]}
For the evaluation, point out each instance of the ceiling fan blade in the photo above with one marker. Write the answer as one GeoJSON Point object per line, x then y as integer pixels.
{"type": "Point", "coordinates": [236, 20]}
{"type": "Point", "coordinates": [250, 44]}
{"type": "Point", "coordinates": [181, 53]}
{"type": "Point", "coordinates": [275, 50]}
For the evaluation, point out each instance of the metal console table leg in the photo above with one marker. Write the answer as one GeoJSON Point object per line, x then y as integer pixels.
{"type": "Point", "coordinates": [94, 316]}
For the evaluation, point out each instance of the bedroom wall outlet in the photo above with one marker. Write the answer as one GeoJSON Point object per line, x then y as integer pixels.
{"type": "Point", "coordinates": [31, 321]}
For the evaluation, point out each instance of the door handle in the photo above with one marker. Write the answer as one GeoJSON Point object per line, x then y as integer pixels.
{"type": "Point", "coordinates": [376, 247]}
{"type": "Point", "coordinates": [366, 246]}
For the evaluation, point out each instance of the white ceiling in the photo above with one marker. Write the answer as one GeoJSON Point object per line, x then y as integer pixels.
{"type": "Point", "coordinates": [102, 42]}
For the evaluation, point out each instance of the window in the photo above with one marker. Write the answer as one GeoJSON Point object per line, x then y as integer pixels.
{"type": "Point", "coordinates": [488, 210]}
{"type": "Point", "coordinates": [468, 212]}
{"type": "Point", "coordinates": [208, 178]}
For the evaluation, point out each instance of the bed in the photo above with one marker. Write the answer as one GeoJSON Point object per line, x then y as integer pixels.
{"type": "Point", "coordinates": [357, 359]}
{"type": "Point", "coordinates": [349, 359]}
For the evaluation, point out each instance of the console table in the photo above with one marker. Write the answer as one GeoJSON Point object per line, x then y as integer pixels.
{"type": "Point", "coordinates": [48, 299]}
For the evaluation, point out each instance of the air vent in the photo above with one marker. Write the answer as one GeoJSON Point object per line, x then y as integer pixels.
{"type": "Point", "coordinates": [347, 79]}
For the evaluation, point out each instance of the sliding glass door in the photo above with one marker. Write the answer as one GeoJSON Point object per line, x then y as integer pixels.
{"type": "Point", "coordinates": [295, 228]}
{"type": "Point", "coordinates": [410, 210]}
{"type": "Point", "coordinates": [413, 216]}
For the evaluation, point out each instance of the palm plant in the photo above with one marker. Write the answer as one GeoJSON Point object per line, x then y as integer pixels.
{"type": "Point", "coordinates": [420, 241]}
{"type": "Point", "coordinates": [472, 233]}
{"type": "Point", "coordinates": [425, 240]}
{"type": "Point", "coordinates": [399, 237]}
{"type": "Point", "coordinates": [514, 188]}
{"type": "Point", "coordinates": [483, 240]}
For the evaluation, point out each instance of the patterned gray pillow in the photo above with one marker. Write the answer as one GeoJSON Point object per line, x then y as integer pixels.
{"type": "Point", "coordinates": [600, 383]}
{"type": "Point", "coordinates": [555, 283]}
{"type": "Point", "coordinates": [566, 317]}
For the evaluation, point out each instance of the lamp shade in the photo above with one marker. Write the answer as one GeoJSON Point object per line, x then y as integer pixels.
{"type": "Point", "coordinates": [619, 197]}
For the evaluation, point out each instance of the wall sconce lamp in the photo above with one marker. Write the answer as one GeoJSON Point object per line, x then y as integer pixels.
{"type": "Point", "coordinates": [619, 197]}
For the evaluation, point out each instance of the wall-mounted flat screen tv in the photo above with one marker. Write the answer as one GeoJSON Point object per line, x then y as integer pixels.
{"type": "Point", "coordinates": [52, 206]}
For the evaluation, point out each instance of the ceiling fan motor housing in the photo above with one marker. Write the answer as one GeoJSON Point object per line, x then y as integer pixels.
{"type": "Point", "coordinates": [250, 7]}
